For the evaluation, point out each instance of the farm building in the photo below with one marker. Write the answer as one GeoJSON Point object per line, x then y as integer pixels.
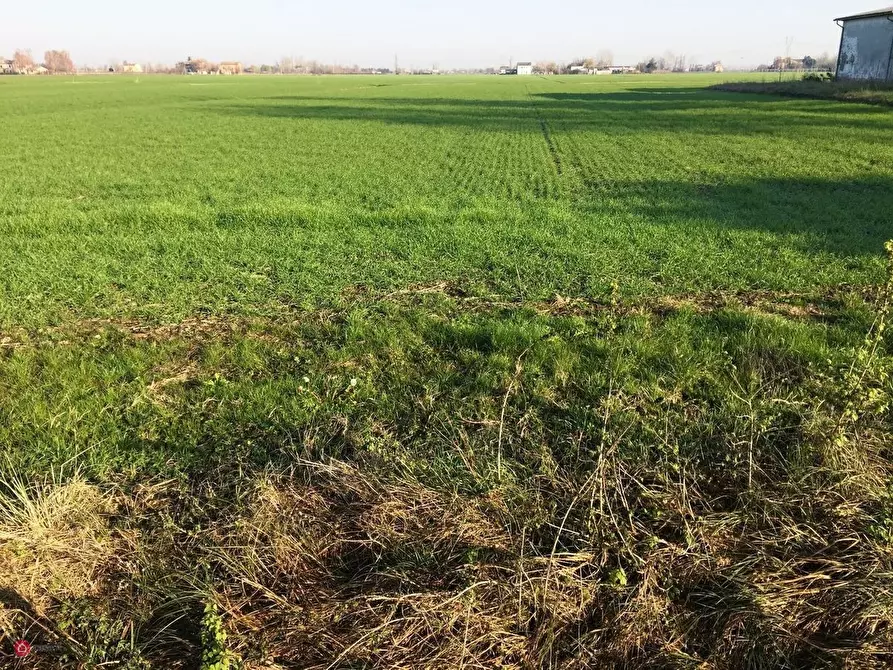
{"type": "Point", "coordinates": [525, 68]}
{"type": "Point", "coordinates": [230, 67]}
{"type": "Point", "coordinates": [866, 46]}
{"type": "Point", "coordinates": [5, 66]}
{"type": "Point", "coordinates": [131, 68]}
{"type": "Point", "coordinates": [198, 66]}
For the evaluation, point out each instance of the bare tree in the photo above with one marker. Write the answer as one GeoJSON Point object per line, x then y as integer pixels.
{"type": "Point", "coordinates": [286, 65]}
{"type": "Point", "coordinates": [588, 63]}
{"type": "Point", "coordinates": [604, 58]}
{"type": "Point", "coordinates": [22, 62]}
{"type": "Point", "coordinates": [826, 61]}
{"type": "Point", "coordinates": [201, 65]}
{"type": "Point", "coordinates": [58, 62]}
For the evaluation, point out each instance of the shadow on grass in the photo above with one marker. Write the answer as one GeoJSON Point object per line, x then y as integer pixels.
{"type": "Point", "coordinates": [846, 217]}
{"type": "Point", "coordinates": [683, 110]}
{"type": "Point", "coordinates": [872, 93]}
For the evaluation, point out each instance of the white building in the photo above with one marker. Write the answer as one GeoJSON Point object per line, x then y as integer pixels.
{"type": "Point", "coordinates": [525, 68]}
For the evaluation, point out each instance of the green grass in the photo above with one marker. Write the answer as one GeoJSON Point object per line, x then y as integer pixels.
{"type": "Point", "coordinates": [426, 372]}
{"type": "Point", "coordinates": [158, 197]}
{"type": "Point", "coordinates": [874, 93]}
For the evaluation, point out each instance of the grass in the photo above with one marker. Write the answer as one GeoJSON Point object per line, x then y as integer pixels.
{"type": "Point", "coordinates": [875, 93]}
{"type": "Point", "coordinates": [157, 198]}
{"type": "Point", "coordinates": [443, 372]}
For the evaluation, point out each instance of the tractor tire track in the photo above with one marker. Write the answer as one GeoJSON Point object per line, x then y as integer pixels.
{"type": "Point", "coordinates": [547, 135]}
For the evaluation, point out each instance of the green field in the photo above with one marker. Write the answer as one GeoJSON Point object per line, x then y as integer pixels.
{"type": "Point", "coordinates": [158, 197]}
{"type": "Point", "coordinates": [432, 372]}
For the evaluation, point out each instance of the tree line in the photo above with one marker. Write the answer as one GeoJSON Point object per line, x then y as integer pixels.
{"type": "Point", "coordinates": [54, 62]}
{"type": "Point", "coordinates": [824, 62]}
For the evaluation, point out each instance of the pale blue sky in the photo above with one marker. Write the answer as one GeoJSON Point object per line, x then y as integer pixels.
{"type": "Point", "coordinates": [460, 33]}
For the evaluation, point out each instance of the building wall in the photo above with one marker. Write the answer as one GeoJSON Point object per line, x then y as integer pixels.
{"type": "Point", "coordinates": [525, 69]}
{"type": "Point", "coordinates": [866, 48]}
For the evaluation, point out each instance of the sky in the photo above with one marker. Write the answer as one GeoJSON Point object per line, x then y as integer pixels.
{"type": "Point", "coordinates": [456, 34]}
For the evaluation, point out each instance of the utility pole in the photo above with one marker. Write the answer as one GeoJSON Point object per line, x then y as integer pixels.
{"type": "Point", "coordinates": [396, 65]}
{"type": "Point", "coordinates": [788, 42]}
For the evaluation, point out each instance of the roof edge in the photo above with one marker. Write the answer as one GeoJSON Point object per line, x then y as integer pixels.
{"type": "Point", "coordinates": [886, 11]}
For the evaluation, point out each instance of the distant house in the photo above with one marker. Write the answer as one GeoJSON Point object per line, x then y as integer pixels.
{"type": "Point", "coordinates": [6, 66]}
{"type": "Point", "coordinates": [524, 68]}
{"type": "Point", "coordinates": [866, 46]}
{"type": "Point", "coordinates": [787, 63]}
{"type": "Point", "coordinates": [230, 67]}
{"type": "Point", "coordinates": [191, 66]}
{"type": "Point", "coordinates": [40, 69]}
{"type": "Point", "coordinates": [712, 67]}
{"type": "Point", "coordinates": [131, 68]}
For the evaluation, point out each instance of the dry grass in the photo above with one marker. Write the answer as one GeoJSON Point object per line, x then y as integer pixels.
{"type": "Point", "coordinates": [54, 540]}
{"type": "Point", "coordinates": [771, 547]}
{"type": "Point", "coordinates": [198, 330]}
{"type": "Point", "coordinates": [329, 566]}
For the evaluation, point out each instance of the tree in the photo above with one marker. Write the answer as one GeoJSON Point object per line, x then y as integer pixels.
{"type": "Point", "coordinates": [58, 62]}
{"type": "Point", "coordinates": [604, 58]}
{"type": "Point", "coordinates": [826, 61]}
{"type": "Point", "coordinates": [286, 65]}
{"type": "Point", "coordinates": [201, 65]}
{"type": "Point", "coordinates": [22, 62]}
{"type": "Point", "coordinates": [546, 67]}
{"type": "Point", "coordinates": [649, 66]}
{"type": "Point", "coordinates": [809, 62]}
{"type": "Point", "coordinates": [588, 63]}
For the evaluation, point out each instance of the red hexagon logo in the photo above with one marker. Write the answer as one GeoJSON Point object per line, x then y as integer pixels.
{"type": "Point", "coordinates": [21, 648]}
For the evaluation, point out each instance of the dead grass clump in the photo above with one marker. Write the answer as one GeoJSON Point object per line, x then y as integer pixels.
{"type": "Point", "coordinates": [332, 565]}
{"type": "Point", "coordinates": [329, 562]}
{"type": "Point", "coordinates": [54, 540]}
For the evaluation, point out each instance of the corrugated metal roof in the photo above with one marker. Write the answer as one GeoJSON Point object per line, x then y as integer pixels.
{"type": "Point", "coordinates": [867, 15]}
